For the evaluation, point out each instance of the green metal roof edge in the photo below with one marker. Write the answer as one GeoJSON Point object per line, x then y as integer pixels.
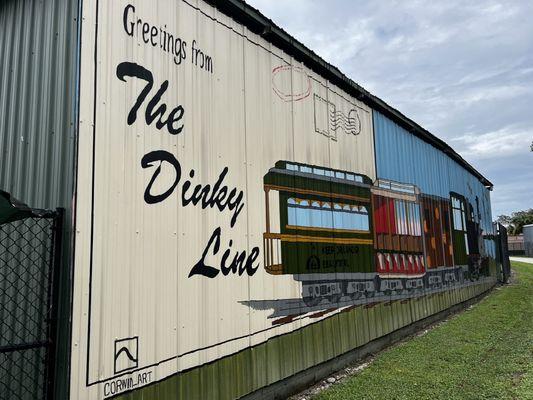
{"type": "Point", "coordinates": [256, 22]}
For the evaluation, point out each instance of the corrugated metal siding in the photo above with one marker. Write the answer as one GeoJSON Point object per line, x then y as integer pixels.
{"type": "Point", "coordinates": [199, 337]}
{"type": "Point", "coordinates": [38, 44]}
{"type": "Point", "coordinates": [142, 254]}
{"type": "Point", "coordinates": [38, 49]}
{"type": "Point", "coordinates": [281, 357]}
{"type": "Point", "coordinates": [403, 157]}
{"type": "Point", "coordinates": [37, 83]}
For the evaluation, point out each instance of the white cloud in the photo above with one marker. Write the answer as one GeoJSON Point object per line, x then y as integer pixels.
{"type": "Point", "coordinates": [463, 70]}
{"type": "Point", "coordinates": [501, 92]}
{"type": "Point", "coordinates": [503, 142]}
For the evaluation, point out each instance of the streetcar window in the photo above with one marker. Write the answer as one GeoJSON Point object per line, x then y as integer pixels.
{"type": "Point", "coordinates": [348, 219]}
{"type": "Point", "coordinates": [405, 221]}
{"type": "Point", "coordinates": [407, 217]}
{"type": "Point", "coordinates": [291, 211]}
{"type": "Point", "coordinates": [457, 220]}
{"type": "Point", "coordinates": [303, 214]}
{"type": "Point", "coordinates": [337, 220]}
{"type": "Point", "coordinates": [412, 219]}
{"type": "Point", "coordinates": [324, 172]}
{"type": "Point", "coordinates": [318, 214]}
{"type": "Point", "coordinates": [458, 211]}
{"type": "Point", "coordinates": [326, 215]}
{"type": "Point", "coordinates": [315, 217]}
{"type": "Point", "coordinates": [292, 167]}
{"type": "Point", "coordinates": [362, 219]}
{"type": "Point", "coordinates": [456, 203]}
{"type": "Point", "coordinates": [401, 223]}
{"type": "Point", "coordinates": [417, 229]}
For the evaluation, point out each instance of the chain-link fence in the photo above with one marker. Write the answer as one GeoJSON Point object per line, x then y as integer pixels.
{"type": "Point", "coordinates": [29, 250]}
{"type": "Point", "coordinates": [502, 251]}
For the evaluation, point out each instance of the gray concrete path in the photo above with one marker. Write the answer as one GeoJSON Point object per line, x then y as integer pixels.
{"type": "Point", "coordinates": [528, 260]}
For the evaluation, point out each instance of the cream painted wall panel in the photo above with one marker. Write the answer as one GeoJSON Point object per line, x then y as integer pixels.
{"type": "Point", "coordinates": [133, 284]}
{"type": "Point", "coordinates": [269, 139]}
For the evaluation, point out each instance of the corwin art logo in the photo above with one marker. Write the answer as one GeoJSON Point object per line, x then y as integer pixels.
{"type": "Point", "coordinates": [126, 354]}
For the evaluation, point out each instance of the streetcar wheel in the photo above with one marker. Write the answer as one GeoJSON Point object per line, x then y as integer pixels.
{"type": "Point", "coordinates": [377, 283]}
{"type": "Point", "coordinates": [335, 298]}
{"type": "Point", "coordinates": [356, 295]}
{"type": "Point", "coordinates": [311, 301]}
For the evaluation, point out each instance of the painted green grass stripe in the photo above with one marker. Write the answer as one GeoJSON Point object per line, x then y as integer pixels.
{"type": "Point", "coordinates": [283, 356]}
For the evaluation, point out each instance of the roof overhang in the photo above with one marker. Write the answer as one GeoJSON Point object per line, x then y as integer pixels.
{"type": "Point", "coordinates": [256, 22]}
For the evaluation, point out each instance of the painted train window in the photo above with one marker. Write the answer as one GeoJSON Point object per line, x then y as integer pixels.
{"type": "Point", "coordinates": [458, 208]}
{"type": "Point", "coordinates": [325, 172]}
{"type": "Point", "coordinates": [396, 186]}
{"type": "Point", "coordinates": [326, 215]}
{"type": "Point", "coordinates": [398, 217]}
{"type": "Point", "coordinates": [459, 220]}
{"type": "Point", "coordinates": [407, 218]}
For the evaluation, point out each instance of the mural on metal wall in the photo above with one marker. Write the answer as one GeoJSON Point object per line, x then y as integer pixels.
{"type": "Point", "coordinates": [335, 120]}
{"type": "Point", "coordinates": [292, 83]}
{"type": "Point", "coordinates": [351, 241]}
{"type": "Point", "coordinates": [230, 197]}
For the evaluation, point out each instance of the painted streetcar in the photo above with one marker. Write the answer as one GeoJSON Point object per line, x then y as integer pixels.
{"type": "Point", "coordinates": [340, 234]}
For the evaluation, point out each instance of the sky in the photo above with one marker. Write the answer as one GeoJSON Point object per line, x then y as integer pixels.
{"type": "Point", "coordinates": [462, 70]}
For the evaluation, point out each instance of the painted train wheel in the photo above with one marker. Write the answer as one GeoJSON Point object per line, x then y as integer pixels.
{"type": "Point", "coordinates": [461, 276]}
{"type": "Point", "coordinates": [311, 301]}
{"type": "Point", "coordinates": [355, 295]}
{"type": "Point", "coordinates": [377, 283]}
{"type": "Point", "coordinates": [334, 298]}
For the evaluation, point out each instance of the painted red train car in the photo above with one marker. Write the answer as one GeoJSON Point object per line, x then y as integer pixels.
{"type": "Point", "coordinates": [398, 240]}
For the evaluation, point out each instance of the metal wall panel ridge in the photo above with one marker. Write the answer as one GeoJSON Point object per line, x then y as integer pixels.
{"type": "Point", "coordinates": [38, 56]}
{"type": "Point", "coordinates": [231, 227]}
{"type": "Point", "coordinates": [37, 100]}
{"type": "Point", "coordinates": [231, 230]}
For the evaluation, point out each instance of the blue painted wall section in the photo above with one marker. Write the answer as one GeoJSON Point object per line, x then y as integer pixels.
{"type": "Point", "coordinates": [403, 157]}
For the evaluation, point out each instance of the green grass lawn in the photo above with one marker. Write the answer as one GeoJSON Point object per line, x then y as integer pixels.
{"type": "Point", "coordinates": [483, 353]}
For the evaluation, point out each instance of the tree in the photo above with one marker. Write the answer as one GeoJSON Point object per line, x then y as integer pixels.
{"type": "Point", "coordinates": [516, 221]}
{"type": "Point", "coordinates": [505, 220]}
